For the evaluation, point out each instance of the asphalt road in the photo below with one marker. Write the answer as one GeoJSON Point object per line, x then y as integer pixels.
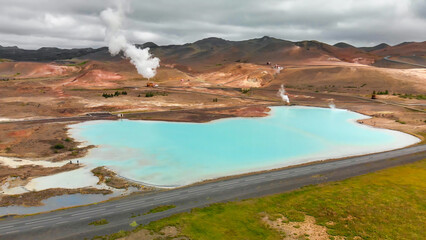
{"type": "Point", "coordinates": [73, 223]}
{"type": "Point", "coordinates": [396, 61]}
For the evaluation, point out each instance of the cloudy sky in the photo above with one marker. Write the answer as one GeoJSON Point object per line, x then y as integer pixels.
{"type": "Point", "coordinates": [75, 23]}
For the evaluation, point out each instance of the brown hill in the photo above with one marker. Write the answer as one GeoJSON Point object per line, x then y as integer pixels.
{"type": "Point", "coordinates": [213, 53]}
{"type": "Point", "coordinates": [403, 49]}
{"type": "Point", "coordinates": [377, 47]}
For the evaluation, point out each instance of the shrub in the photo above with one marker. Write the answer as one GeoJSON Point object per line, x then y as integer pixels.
{"type": "Point", "coordinates": [107, 95]}
{"type": "Point", "coordinates": [214, 99]}
{"type": "Point", "coordinates": [149, 94]}
{"type": "Point", "coordinates": [58, 146]}
{"type": "Point", "coordinates": [245, 90]}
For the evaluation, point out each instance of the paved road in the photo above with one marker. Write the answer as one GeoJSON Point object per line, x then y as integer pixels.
{"type": "Point", "coordinates": [73, 223]}
{"type": "Point", "coordinates": [396, 61]}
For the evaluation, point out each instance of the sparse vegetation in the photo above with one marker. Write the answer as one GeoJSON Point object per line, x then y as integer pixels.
{"type": "Point", "coordinates": [58, 146]}
{"type": "Point", "coordinates": [152, 94]}
{"type": "Point", "coordinates": [245, 90]}
{"type": "Point", "coordinates": [394, 209]}
{"type": "Point", "coordinates": [115, 94]}
{"type": "Point", "coordinates": [99, 222]}
{"type": "Point", "coordinates": [411, 96]}
{"type": "Point", "coordinates": [160, 209]}
{"type": "Point", "coordinates": [373, 95]}
{"type": "Point", "coordinates": [399, 121]}
{"type": "Point", "coordinates": [383, 93]}
{"type": "Point", "coordinates": [214, 99]}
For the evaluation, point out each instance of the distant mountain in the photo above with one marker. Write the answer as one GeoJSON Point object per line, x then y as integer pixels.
{"type": "Point", "coordinates": [214, 52]}
{"type": "Point", "coordinates": [43, 54]}
{"type": "Point", "coordinates": [343, 45]}
{"type": "Point", "coordinates": [378, 47]}
{"type": "Point", "coordinates": [403, 49]}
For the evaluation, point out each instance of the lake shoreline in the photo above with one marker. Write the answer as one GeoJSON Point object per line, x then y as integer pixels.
{"type": "Point", "coordinates": [266, 170]}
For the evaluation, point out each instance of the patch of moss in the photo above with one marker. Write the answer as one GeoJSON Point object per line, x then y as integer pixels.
{"type": "Point", "coordinates": [99, 222]}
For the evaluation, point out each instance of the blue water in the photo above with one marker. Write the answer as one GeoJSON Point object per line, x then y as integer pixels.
{"type": "Point", "coordinates": [174, 154]}
{"type": "Point", "coordinates": [56, 203]}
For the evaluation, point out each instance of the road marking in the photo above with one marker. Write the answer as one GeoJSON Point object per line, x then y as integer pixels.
{"type": "Point", "coordinates": [6, 227]}
{"type": "Point", "coordinates": [128, 208]}
{"type": "Point", "coordinates": [227, 184]}
{"type": "Point", "coordinates": [42, 220]}
{"type": "Point", "coordinates": [61, 222]}
{"type": "Point", "coordinates": [213, 188]}
{"type": "Point", "coordinates": [37, 227]}
{"type": "Point", "coordinates": [86, 212]}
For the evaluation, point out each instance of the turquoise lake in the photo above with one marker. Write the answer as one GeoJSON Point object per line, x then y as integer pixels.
{"type": "Point", "coordinates": [170, 154]}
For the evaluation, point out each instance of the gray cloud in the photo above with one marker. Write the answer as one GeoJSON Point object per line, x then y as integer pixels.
{"type": "Point", "coordinates": [75, 23]}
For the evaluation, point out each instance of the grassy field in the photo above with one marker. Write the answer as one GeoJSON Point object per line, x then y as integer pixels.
{"type": "Point", "coordinates": [389, 204]}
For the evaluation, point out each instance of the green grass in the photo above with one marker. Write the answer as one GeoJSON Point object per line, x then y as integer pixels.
{"type": "Point", "coordinates": [99, 222]}
{"type": "Point", "coordinates": [389, 204]}
{"type": "Point", "coordinates": [160, 209]}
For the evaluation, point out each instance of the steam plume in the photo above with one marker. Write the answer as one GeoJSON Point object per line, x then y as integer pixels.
{"type": "Point", "coordinates": [144, 62]}
{"type": "Point", "coordinates": [283, 95]}
{"type": "Point", "coordinates": [331, 104]}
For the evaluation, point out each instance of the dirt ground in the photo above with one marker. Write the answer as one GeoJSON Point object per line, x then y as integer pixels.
{"type": "Point", "coordinates": [48, 141]}
{"type": "Point", "coordinates": [24, 173]}
{"type": "Point", "coordinates": [48, 90]}
{"type": "Point", "coordinates": [307, 229]}
{"type": "Point", "coordinates": [111, 179]}
{"type": "Point", "coordinates": [169, 232]}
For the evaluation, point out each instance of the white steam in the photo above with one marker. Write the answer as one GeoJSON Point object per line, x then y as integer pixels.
{"type": "Point", "coordinates": [283, 95]}
{"type": "Point", "coordinates": [144, 62]}
{"type": "Point", "coordinates": [331, 104]}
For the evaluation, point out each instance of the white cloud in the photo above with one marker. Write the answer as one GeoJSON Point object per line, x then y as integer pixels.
{"type": "Point", "coordinates": [58, 21]}
{"type": "Point", "coordinates": [76, 23]}
{"type": "Point", "coordinates": [142, 36]}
